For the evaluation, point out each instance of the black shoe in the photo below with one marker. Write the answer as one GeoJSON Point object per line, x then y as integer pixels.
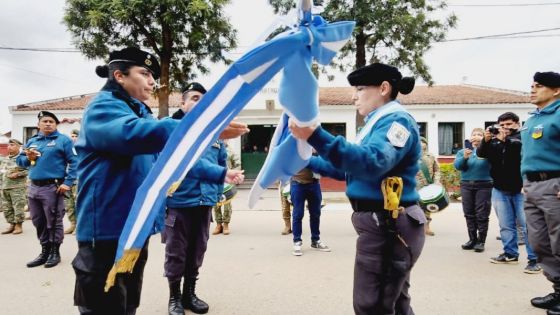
{"type": "Point", "coordinates": [175, 306]}
{"type": "Point", "coordinates": [547, 301]}
{"type": "Point", "coordinates": [479, 247]}
{"type": "Point", "coordinates": [554, 310]}
{"type": "Point", "coordinates": [42, 258]}
{"type": "Point", "coordinates": [468, 245]}
{"type": "Point", "coordinates": [190, 300]}
{"type": "Point", "coordinates": [54, 256]}
{"type": "Point", "coordinates": [504, 259]}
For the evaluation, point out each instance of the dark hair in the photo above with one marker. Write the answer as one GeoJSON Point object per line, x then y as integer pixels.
{"type": "Point", "coordinates": [106, 71]}
{"type": "Point", "coordinates": [508, 116]}
{"type": "Point", "coordinates": [404, 86]}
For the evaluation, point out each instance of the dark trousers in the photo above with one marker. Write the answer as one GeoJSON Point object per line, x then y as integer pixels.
{"type": "Point", "coordinates": [542, 208]}
{"type": "Point", "coordinates": [47, 210]}
{"type": "Point", "coordinates": [476, 198]}
{"type": "Point", "coordinates": [186, 238]}
{"type": "Point", "coordinates": [383, 264]}
{"type": "Point", "coordinates": [299, 194]}
{"type": "Point", "coordinates": [91, 265]}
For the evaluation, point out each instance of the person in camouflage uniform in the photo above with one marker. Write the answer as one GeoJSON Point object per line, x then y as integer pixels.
{"type": "Point", "coordinates": [223, 218]}
{"type": "Point", "coordinates": [13, 189]}
{"type": "Point", "coordinates": [421, 181]}
{"type": "Point", "coordinates": [286, 210]}
{"type": "Point", "coordinates": [70, 197]}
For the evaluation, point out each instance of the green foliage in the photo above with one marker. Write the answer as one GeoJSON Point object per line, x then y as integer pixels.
{"type": "Point", "coordinates": [398, 32]}
{"type": "Point", "coordinates": [450, 179]}
{"type": "Point", "coordinates": [184, 34]}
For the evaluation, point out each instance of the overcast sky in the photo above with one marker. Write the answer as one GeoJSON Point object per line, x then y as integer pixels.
{"type": "Point", "coordinates": [502, 63]}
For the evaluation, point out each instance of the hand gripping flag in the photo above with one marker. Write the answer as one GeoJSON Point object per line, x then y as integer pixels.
{"type": "Point", "coordinates": [202, 126]}
{"type": "Point", "coordinates": [299, 98]}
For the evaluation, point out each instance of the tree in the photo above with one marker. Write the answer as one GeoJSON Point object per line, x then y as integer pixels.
{"type": "Point", "coordinates": [183, 34]}
{"type": "Point", "coordinates": [398, 32]}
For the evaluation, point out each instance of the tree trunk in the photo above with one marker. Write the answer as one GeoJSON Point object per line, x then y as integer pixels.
{"type": "Point", "coordinates": [360, 62]}
{"type": "Point", "coordinates": [163, 92]}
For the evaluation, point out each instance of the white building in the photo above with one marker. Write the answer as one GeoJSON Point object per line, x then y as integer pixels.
{"type": "Point", "coordinates": [446, 115]}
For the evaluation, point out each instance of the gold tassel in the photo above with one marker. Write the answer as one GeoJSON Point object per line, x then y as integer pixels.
{"type": "Point", "coordinates": [125, 264]}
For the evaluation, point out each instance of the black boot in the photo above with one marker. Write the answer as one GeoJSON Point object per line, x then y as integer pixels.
{"type": "Point", "coordinates": [190, 300]}
{"type": "Point", "coordinates": [554, 310]}
{"type": "Point", "coordinates": [472, 240]}
{"type": "Point", "coordinates": [547, 301]}
{"type": "Point", "coordinates": [479, 246]}
{"type": "Point", "coordinates": [42, 258]}
{"type": "Point", "coordinates": [54, 256]}
{"type": "Point", "coordinates": [175, 307]}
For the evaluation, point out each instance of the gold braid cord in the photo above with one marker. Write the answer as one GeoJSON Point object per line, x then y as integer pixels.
{"type": "Point", "coordinates": [392, 190]}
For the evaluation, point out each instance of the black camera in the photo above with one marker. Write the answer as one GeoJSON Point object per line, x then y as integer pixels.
{"type": "Point", "coordinates": [494, 130]}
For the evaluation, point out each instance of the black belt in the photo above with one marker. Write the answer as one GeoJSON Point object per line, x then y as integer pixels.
{"type": "Point", "coordinates": [46, 182]}
{"type": "Point", "coordinates": [477, 181]}
{"type": "Point", "coordinates": [360, 205]}
{"type": "Point", "coordinates": [540, 176]}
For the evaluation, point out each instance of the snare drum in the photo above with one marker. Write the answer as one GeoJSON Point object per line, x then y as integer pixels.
{"type": "Point", "coordinates": [433, 198]}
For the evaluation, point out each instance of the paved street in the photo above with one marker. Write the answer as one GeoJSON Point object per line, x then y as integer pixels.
{"type": "Point", "coordinates": [252, 270]}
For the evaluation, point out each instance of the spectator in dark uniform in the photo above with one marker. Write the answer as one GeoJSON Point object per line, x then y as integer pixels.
{"type": "Point", "coordinates": [382, 161]}
{"type": "Point", "coordinates": [51, 159]}
{"type": "Point", "coordinates": [540, 165]}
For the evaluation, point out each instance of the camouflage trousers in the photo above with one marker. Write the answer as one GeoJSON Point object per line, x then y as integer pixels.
{"type": "Point", "coordinates": [70, 204]}
{"type": "Point", "coordinates": [13, 204]}
{"type": "Point", "coordinates": [286, 207]}
{"type": "Point", "coordinates": [224, 217]}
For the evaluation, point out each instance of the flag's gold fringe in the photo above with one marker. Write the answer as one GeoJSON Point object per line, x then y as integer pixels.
{"type": "Point", "coordinates": [124, 264]}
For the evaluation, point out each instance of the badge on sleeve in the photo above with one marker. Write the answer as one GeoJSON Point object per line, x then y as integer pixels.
{"type": "Point", "coordinates": [398, 135]}
{"type": "Point", "coordinates": [537, 132]}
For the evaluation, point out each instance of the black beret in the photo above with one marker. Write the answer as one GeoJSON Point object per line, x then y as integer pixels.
{"type": "Point", "coordinates": [376, 73]}
{"type": "Point", "coordinates": [44, 113]}
{"type": "Point", "coordinates": [137, 57]}
{"type": "Point", "coordinates": [15, 141]}
{"type": "Point", "coordinates": [550, 79]}
{"type": "Point", "coordinates": [195, 86]}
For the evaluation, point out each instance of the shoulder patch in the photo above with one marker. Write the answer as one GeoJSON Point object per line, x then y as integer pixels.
{"type": "Point", "coordinates": [398, 135]}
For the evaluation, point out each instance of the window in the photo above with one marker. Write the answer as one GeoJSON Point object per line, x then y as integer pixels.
{"type": "Point", "coordinates": [450, 137]}
{"type": "Point", "coordinates": [336, 129]}
{"type": "Point", "coordinates": [422, 127]}
{"type": "Point", "coordinates": [29, 132]}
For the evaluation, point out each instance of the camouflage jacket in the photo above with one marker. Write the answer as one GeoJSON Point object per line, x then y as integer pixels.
{"type": "Point", "coordinates": [8, 166]}
{"type": "Point", "coordinates": [232, 160]}
{"type": "Point", "coordinates": [433, 169]}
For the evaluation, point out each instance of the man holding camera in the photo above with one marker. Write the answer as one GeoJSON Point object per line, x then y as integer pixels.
{"type": "Point", "coordinates": [502, 147]}
{"type": "Point", "coordinates": [541, 167]}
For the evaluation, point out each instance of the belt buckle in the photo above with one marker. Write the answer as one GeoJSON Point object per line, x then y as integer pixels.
{"type": "Point", "coordinates": [543, 176]}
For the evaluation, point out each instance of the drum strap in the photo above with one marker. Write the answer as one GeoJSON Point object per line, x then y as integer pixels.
{"type": "Point", "coordinates": [426, 172]}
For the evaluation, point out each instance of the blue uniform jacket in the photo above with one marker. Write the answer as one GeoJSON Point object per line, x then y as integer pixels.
{"type": "Point", "coordinates": [204, 182]}
{"type": "Point", "coordinates": [473, 168]}
{"type": "Point", "coordinates": [58, 158]}
{"type": "Point", "coordinates": [365, 165]}
{"type": "Point", "coordinates": [117, 147]}
{"type": "Point", "coordinates": [541, 140]}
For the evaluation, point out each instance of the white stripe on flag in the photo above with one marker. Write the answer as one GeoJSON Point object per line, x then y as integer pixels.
{"type": "Point", "coordinates": [188, 140]}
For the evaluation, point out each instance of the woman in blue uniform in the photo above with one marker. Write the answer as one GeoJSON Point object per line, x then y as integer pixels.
{"type": "Point", "coordinates": [117, 147]}
{"type": "Point", "coordinates": [387, 146]}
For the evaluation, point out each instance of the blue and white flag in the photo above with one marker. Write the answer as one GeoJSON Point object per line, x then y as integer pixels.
{"type": "Point", "coordinates": [202, 126]}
